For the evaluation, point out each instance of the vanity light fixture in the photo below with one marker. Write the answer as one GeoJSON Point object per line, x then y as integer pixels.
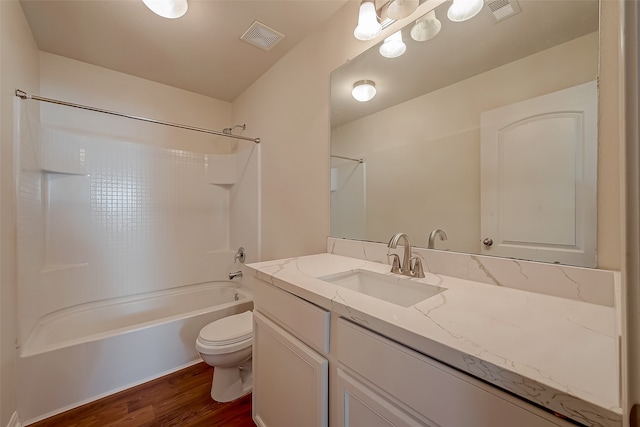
{"type": "Point", "coordinates": [426, 27]}
{"type": "Point", "coordinates": [368, 25]}
{"type": "Point", "coordinates": [461, 10]}
{"type": "Point", "coordinates": [393, 46]}
{"type": "Point", "coordinates": [364, 90]}
{"type": "Point", "coordinates": [168, 8]}
{"type": "Point", "coordinates": [399, 9]}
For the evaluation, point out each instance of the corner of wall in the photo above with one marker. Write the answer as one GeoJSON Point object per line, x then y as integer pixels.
{"type": "Point", "coordinates": [19, 68]}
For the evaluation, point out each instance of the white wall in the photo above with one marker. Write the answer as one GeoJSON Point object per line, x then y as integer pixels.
{"type": "Point", "coordinates": [289, 108]}
{"type": "Point", "coordinates": [18, 69]}
{"type": "Point", "coordinates": [431, 165]}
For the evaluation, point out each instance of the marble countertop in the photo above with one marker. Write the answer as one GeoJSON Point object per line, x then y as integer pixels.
{"type": "Point", "coordinates": [556, 352]}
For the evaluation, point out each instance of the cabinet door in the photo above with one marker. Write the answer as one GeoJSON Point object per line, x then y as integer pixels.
{"type": "Point", "coordinates": [359, 406]}
{"type": "Point", "coordinates": [290, 380]}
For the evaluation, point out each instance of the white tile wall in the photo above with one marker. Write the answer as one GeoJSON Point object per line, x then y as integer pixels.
{"type": "Point", "coordinates": [102, 217]}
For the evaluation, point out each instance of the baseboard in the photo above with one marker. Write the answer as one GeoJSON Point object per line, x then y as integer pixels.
{"type": "Point", "coordinates": [14, 421]}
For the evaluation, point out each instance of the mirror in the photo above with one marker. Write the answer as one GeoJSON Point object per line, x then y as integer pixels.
{"type": "Point", "coordinates": [486, 131]}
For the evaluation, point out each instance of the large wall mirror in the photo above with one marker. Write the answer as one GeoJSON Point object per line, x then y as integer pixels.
{"type": "Point", "coordinates": [486, 130]}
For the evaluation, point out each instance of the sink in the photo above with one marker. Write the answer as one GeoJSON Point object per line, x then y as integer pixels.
{"type": "Point", "coordinates": [388, 287]}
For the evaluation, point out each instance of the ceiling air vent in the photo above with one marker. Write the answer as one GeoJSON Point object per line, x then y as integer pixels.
{"type": "Point", "coordinates": [503, 9]}
{"type": "Point", "coordinates": [261, 36]}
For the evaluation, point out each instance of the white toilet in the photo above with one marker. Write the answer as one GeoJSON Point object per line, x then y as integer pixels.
{"type": "Point", "coordinates": [226, 345]}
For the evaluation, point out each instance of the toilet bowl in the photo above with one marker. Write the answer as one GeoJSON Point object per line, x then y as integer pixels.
{"type": "Point", "coordinates": [226, 345]}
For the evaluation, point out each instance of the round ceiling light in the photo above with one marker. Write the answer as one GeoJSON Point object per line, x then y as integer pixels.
{"type": "Point", "coordinates": [364, 90]}
{"type": "Point", "coordinates": [167, 8]}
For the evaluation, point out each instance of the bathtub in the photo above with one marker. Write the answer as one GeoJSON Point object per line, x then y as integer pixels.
{"type": "Point", "coordinates": [82, 353]}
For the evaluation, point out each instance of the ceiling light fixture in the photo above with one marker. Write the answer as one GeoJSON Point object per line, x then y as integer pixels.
{"type": "Point", "coordinates": [168, 8]}
{"type": "Point", "coordinates": [368, 25]}
{"type": "Point", "coordinates": [399, 9]}
{"type": "Point", "coordinates": [461, 10]}
{"type": "Point", "coordinates": [364, 90]}
{"type": "Point", "coordinates": [393, 46]}
{"type": "Point", "coordinates": [426, 27]}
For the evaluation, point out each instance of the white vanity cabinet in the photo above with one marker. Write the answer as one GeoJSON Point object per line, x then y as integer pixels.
{"type": "Point", "coordinates": [375, 381]}
{"type": "Point", "coordinates": [290, 374]}
{"type": "Point", "coordinates": [382, 383]}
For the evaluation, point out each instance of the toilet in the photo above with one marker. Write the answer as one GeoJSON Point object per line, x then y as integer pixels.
{"type": "Point", "coordinates": [226, 345]}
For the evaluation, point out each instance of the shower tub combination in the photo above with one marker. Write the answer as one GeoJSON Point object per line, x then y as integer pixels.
{"type": "Point", "coordinates": [82, 353]}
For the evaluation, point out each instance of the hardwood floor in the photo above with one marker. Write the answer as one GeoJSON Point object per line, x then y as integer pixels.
{"type": "Point", "coordinates": [178, 399]}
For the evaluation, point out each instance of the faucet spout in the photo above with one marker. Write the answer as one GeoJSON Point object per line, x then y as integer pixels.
{"type": "Point", "coordinates": [432, 237]}
{"type": "Point", "coordinates": [235, 274]}
{"type": "Point", "coordinates": [405, 267]}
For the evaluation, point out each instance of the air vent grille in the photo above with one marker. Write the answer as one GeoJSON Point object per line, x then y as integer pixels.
{"type": "Point", "coordinates": [261, 36]}
{"type": "Point", "coordinates": [503, 9]}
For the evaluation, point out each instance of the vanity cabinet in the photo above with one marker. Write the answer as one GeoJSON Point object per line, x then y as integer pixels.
{"type": "Point", "coordinates": [375, 381]}
{"type": "Point", "coordinates": [388, 384]}
{"type": "Point", "coordinates": [290, 375]}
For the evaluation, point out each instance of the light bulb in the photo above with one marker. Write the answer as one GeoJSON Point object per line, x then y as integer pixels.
{"type": "Point", "coordinates": [368, 25]}
{"type": "Point", "coordinates": [168, 8]}
{"type": "Point", "coordinates": [364, 90]}
{"type": "Point", "coordinates": [426, 27]}
{"type": "Point", "coordinates": [461, 10]}
{"type": "Point", "coordinates": [393, 46]}
{"type": "Point", "coordinates": [399, 9]}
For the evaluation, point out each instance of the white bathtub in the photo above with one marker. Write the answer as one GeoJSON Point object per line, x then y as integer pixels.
{"type": "Point", "coordinates": [86, 352]}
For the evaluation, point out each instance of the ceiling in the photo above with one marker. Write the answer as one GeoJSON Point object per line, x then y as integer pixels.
{"type": "Point", "coordinates": [200, 52]}
{"type": "Point", "coordinates": [458, 52]}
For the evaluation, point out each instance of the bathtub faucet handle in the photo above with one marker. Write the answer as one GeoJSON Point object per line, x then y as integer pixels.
{"type": "Point", "coordinates": [239, 255]}
{"type": "Point", "coordinates": [235, 274]}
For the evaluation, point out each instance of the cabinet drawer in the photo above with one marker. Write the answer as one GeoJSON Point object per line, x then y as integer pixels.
{"type": "Point", "coordinates": [443, 395]}
{"type": "Point", "coordinates": [306, 321]}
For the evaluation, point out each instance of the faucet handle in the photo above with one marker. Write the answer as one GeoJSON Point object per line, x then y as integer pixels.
{"type": "Point", "coordinates": [395, 263]}
{"type": "Point", "coordinates": [239, 256]}
{"type": "Point", "coordinates": [415, 267]}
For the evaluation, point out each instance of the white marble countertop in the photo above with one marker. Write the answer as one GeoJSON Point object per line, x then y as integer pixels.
{"type": "Point", "coordinates": [556, 352]}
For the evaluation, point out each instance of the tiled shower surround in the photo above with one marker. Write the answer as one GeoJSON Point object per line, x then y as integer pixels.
{"type": "Point", "coordinates": [101, 217]}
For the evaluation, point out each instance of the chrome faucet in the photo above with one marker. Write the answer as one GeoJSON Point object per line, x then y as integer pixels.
{"type": "Point", "coordinates": [432, 237]}
{"type": "Point", "coordinates": [393, 243]}
{"type": "Point", "coordinates": [416, 267]}
{"type": "Point", "coordinates": [235, 274]}
{"type": "Point", "coordinates": [411, 265]}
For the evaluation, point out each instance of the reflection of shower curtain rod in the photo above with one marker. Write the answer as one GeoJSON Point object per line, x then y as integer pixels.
{"type": "Point", "coordinates": [23, 95]}
{"type": "Point", "coordinates": [348, 158]}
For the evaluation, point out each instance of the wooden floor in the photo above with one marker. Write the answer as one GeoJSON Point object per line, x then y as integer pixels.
{"type": "Point", "coordinates": [178, 399]}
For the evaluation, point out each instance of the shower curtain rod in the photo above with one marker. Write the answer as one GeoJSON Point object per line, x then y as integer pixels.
{"type": "Point", "coordinates": [23, 95]}
{"type": "Point", "coordinates": [348, 158]}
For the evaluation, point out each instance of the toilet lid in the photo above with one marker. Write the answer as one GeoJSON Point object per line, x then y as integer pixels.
{"type": "Point", "coordinates": [228, 330]}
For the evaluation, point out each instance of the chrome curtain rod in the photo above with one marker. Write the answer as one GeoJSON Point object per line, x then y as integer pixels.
{"type": "Point", "coordinates": [348, 158]}
{"type": "Point", "coordinates": [23, 95]}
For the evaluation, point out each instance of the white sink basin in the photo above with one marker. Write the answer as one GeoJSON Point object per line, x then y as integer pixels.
{"type": "Point", "coordinates": [391, 288]}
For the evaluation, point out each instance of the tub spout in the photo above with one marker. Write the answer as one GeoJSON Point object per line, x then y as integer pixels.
{"type": "Point", "coordinates": [235, 274]}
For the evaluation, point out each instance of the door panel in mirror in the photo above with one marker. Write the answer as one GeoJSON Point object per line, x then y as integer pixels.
{"type": "Point", "coordinates": [538, 177]}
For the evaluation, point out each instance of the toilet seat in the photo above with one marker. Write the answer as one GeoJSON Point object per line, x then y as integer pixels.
{"type": "Point", "coordinates": [226, 335]}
